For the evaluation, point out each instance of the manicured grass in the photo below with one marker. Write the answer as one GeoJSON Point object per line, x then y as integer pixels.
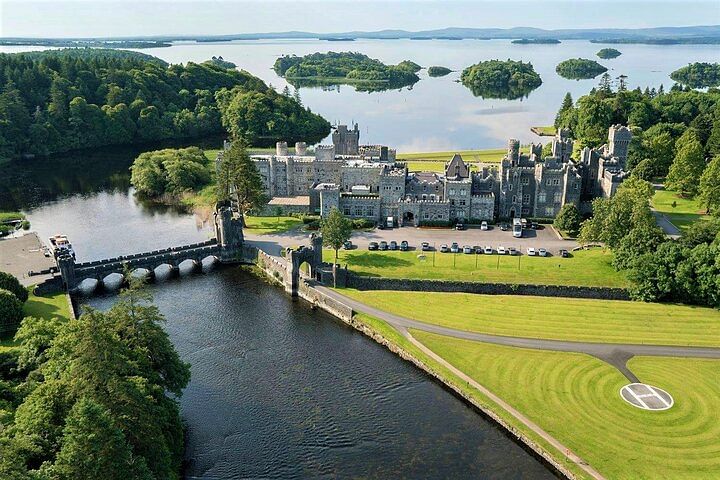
{"type": "Point", "coordinates": [432, 166]}
{"type": "Point", "coordinates": [547, 130]}
{"type": "Point", "coordinates": [685, 212]}
{"type": "Point", "coordinates": [584, 267]}
{"type": "Point", "coordinates": [49, 306]}
{"type": "Point", "coordinates": [485, 156]}
{"type": "Point", "coordinates": [11, 216]}
{"type": "Point", "coordinates": [575, 398]}
{"type": "Point", "coordinates": [264, 225]}
{"type": "Point", "coordinates": [604, 321]}
{"type": "Point", "coordinates": [394, 337]}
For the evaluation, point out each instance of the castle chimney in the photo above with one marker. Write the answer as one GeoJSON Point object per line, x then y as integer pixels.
{"type": "Point", "coordinates": [281, 149]}
{"type": "Point", "coordinates": [300, 148]}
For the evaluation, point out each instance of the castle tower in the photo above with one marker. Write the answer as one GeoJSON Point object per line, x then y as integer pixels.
{"type": "Point", "coordinates": [514, 151]}
{"type": "Point", "coordinates": [66, 265]}
{"type": "Point", "coordinates": [562, 145]}
{"type": "Point", "coordinates": [619, 138]}
{"type": "Point", "coordinates": [346, 142]}
{"type": "Point", "coordinates": [281, 149]}
{"type": "Point", "coordinates": [228, 232]}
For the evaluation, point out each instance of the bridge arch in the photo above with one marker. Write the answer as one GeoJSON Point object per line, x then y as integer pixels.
{"type": "Point", "coordinates": [297, 257]}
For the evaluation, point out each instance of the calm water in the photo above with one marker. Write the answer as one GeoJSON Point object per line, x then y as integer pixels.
{"type": "Point", "coordinates": [438, 113]}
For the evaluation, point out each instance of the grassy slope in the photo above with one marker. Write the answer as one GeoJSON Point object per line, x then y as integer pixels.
{"type": "Point", "coordinates": [546, 130]}
{"type": "Point", "coordinates": [585, 267]}
{"type": "Point", "coordinates": [263, 225]}
{"type": "Point", "coordinates": [554, 318]}
{"type": "Point", "coordinates": [47, 306]}
{"type": "Point", "coordinates": [393, 336]}
{"type": "Point", "coordinates": [686, 211]}
{"type": "Point", "coordinates": [575, 398]}
{"type": "Point", "coordinates": [492, 155]}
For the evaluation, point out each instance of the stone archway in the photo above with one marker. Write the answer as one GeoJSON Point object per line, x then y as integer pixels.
{"type": "Point", "coordinates": [296, 257]}
{"type": "Point", "coordinates": [408, 218]}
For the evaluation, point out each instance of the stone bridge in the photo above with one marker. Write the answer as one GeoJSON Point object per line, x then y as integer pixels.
{"type": "Point", "coordinates": [227, 247]}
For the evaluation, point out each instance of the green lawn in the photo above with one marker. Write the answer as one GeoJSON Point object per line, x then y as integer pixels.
{"type": "Point", "coordinates": [493, 155]}
{"type": "Point", "coordinates": [576, 399]}
{"type": "Point", "coordinates": [605, 321]}
{"type": "Point", "coordinates": [685, 212]}
{"type": "Point", "coordinates": [585, 267]}
{"type": "Point", "coordinates": [50, 306]}
{"type": "Point", "coordinates": [263, 225]}
{"type": "Point", "coordinates": [10, 216]}
{"type": "Point", "coordinates": [432, 166]}
{"type": "Point", "coordinates": [547, 130]}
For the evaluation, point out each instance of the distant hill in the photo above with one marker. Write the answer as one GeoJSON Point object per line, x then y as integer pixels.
{"type": "Point", "coordinates": [661, 35]}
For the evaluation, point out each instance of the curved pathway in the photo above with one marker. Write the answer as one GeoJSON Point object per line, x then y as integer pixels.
{"type": "Point", "coordinates": [615, 354]}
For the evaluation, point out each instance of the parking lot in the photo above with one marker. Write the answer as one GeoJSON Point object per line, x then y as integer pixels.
{"type": "Point", "coordinates": [494, 237]}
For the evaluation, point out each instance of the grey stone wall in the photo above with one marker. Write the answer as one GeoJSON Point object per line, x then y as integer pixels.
{"type": "Point", "coordinates": [375, 283]}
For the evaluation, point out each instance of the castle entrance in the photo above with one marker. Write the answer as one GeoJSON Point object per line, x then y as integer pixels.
{"type": "Point", "coordinates": [408, 218]}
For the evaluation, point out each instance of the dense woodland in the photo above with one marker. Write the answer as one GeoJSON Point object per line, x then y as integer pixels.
{"type": "Point", "coordinates": [608, 53]}
{"type": "Point", "coordinates": [93, 398]}
{"type": "Point", "coordinates": [676, 139]}
{"type": "Point", "coordinates": [698, 75]}
{"type": "Point", "coordinates": [348, 67]}
{"type": "Point", "coordinates": [501, 79]}
{"type": "Point", "coordinates": [56, 101]}
{"type": "Point", "coordinates": [579, 68]}
{"type": "Point", "coordinates": [437, 71]}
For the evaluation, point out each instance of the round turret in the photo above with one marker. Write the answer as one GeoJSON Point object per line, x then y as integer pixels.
{"type": "Point", "coordinates": [281, 149]}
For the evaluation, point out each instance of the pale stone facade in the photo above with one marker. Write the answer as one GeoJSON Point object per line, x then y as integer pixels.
{"type": "Point", "coordinates": [365, 181]}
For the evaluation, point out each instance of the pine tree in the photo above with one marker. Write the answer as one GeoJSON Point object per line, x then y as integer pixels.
{"type": "Point", "coordinates": [561, 119]}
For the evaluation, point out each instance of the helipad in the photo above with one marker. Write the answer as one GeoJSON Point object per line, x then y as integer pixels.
{"type": "Point", "coordinates": [646, 397]}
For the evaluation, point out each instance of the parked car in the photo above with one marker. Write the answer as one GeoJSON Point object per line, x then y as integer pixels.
{"type": "Point", "coordinates": [484, 225]}
{"type": "Point", "coordinates": [564, 253]}
{"type": "Point", "coordinates": [454, 248]}
{"type": "Point", "coordinates": [534, 225]}
{"type": "Point", "coordinates": [542, 252]}
{"type": "Point", "coordinates": [459, 226]}
{"type": "Point", "coordinates": [501, 250]}
{"type": "Point", "coordinates": [404, 246]}
{"type": "Point", "coordinates": [467, 249]}
{"type": "Point", "coordinates": [504, 227]}
{"type": "Point", "coordinates": [512, 251]}
{"type": "Point", "coordinates": [372, 246]}
{"type": "Point", "coordinates": [393, 245]}
{"type": "Point", "coordinates": [488, 250]}
{"type": "Point", "coordinates": [383, 245]}
{"type": "Point", "coordinates": [531, 252]}
{"type": "Point", "coordinates": [478, 249]}
{"type": "Point", "coordinates": [347, 245]}
{"type": "Point", "coordinates": [425, 246]}
{"type": "Point", "coordinates": [444, 248]}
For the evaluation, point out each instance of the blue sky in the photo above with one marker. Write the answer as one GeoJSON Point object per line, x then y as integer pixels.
{"type": "Point", "coordinates": [74, 18]}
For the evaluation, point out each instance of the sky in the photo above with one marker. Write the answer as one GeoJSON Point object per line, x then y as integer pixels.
{"type": "Point", "coordinates": [105, 18]}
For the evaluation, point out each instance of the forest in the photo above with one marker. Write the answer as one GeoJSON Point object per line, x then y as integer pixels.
{"type": "Point", "coordinates": [579, 68]}
{"type": "Point", "coordinates": [63, 100]}
{"type": "Point", "coordinates": [698, 75]}
{"type": "Point", "coordinates": [608, 53]}
{"type": "Point", "coordinates": [501, 79]}
{"type": "Point", "coordinates": [346, 67]}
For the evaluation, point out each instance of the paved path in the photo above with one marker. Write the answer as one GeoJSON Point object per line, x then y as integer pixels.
{"type": "Point", "coordinates": [668, 227]}
{"type": "Point", "coordinates": [615, 354]}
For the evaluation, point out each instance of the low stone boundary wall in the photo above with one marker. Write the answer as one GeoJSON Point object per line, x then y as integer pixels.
{"type": "Point", "coordinates": [361, 282]}
{"type": "Point", "coordinates": [275, 267]}
{"type": "Point", "coordinates": [320, 300]}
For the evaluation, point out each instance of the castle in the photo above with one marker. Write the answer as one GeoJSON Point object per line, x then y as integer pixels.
{"type": "Point", "coordinates": [365, 181]}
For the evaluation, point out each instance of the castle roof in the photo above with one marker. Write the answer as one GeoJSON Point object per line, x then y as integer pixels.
{"type": "Point", "coordinates": [456, 168]}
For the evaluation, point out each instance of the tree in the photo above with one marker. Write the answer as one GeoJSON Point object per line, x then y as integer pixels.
{"type": "Point", "coordinates": [642, 239]}
{"type": "Point", "coordinates": [709, 190]}
{"type": "Point", "coordinates": [93, 447]}
{"type": "Point", "coordinates": [336, 230]}
{"type": "Point", "coordinates": [562, 119]}
{"type": "Point", "coordinates": [698, 276]}
{"type": "Point", "coordinates": [645, 170]}
{"type": "Point", "coordinates": [11, 313]}
{"type": "Point", "coordinates": [653, 274]}
{"type": "Point", "coordinates": [594, 117]}
{"type": "Point", "coordinates": [238, 177]}
{"type": "Point", "coordinates": [35, 337]}
{"type": "Point", "coordinates": [686, 169]}
{"type": "Point", "coordinates": [9, 282]}
{"type": "Point", "coordinates": [568, 219]}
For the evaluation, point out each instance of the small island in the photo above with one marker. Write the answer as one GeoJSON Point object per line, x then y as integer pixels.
{"type": "Point", "coordinates": [608, 53]}
{"type": "Point", "coordinates": [352, 68]}
{"type": "Point", "coordinates": [698, 75]}
{"type": "Point", "coordinates": [436, 71]}
{"type": "Point", "coordinates": [536, 41]}
{"type": "Point", "coordinates": [507, 79]}
{"type": "Point", "coordinates": [579, 68]}
{"type": "Point", "coordinates": [221, 62]}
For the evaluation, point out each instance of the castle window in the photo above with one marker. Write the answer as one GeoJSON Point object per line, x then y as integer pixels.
{"type": "Point", "coordinates": [452, 201]}
{"type": "Point", "coordinates": [526, 181]}
{"type": "Point", "coordinates": [346, 211]}
{"type": "Point", "coordinates": [358, 211]}
{"type": "Point", "coordinates": [369, 212]}
{"type": "Point", "coordinates": [556, 181]}
{"type": "Point", "coordinates": [541, 197]}
{"type": "Point", "coordinates": [577, 186]}
{"type": "Point", "coordinates": [548, 182]}
{"type": "Point", "coordinates": [526, 198]}
{"type": "Point", "coordinates": [514, 199]}
{"type": "Point", "coordinates": [549, 211]}
{"type": "Point", "coordinates": [426, 215]}
{"type": "Point", "coordinates": [558, 197]}
{"type": "Point", "coordinates": [510, 187]}
{"type": "Point", "coordinates": [525, 210]}
{"type": "Point", "coordinates": [462, 203]}
{"type": "Point", "coordinates": [462, 192]}
{"type": "Point", "coordinates": [432, 197]}
{"type": "Point", "coordinates": [397, 187]}
{"type": "Point", "coordinates": [424, 197]}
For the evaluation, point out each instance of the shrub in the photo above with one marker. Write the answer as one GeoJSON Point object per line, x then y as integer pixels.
{"type": "Point", "coordinates": [314, 225]}
{"type": "Point", "coordinates": [11, 313]}
{"type": "Point", "coordinates": [568, 219]}
{"type": "Point", "coordinates": [363, 223]}
{"type": "Point", "coordinates": [12, 284]}
{"type": "Point", "coordinates": [306, 219]}
{"type": "Point", "coordinates": [435, 223]}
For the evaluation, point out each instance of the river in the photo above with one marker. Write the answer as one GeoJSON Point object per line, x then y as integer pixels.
{"type": "Point", "coordinates": [277, 390]}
